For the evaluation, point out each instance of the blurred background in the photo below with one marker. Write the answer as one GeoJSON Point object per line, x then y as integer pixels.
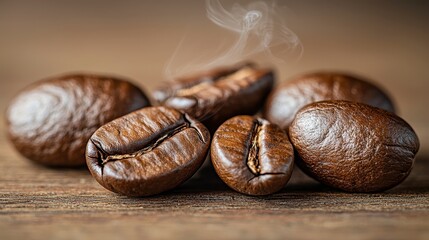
{"type": "Point", "coordinates": [384, 40]}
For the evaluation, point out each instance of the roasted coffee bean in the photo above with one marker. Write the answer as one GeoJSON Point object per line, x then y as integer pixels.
{"type": "Point", "coordinates": [220, 94]}
{"type": "Point", "coordinates": [352, 146]}
{"type": "Point", "coordinates": [285, 101]}
{"type": "Point", "coordinates": [204, 78]}
{"type": "Point", "coordinates": [147, 152]}
{"type": "Point", "coordinates": [51, 121]}
{"type": "Point", "coordinates": [252, 156]}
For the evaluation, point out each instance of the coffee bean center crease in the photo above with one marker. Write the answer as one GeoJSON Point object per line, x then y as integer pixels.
{"type": "Point", "coordinates": [105, 157]}
{"type": "Point", "coordinates": [253, 157]}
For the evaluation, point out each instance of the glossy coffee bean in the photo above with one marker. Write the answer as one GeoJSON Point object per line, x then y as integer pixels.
{"type": "Point", "coordinates": [215, 96]}
{"type": "Point", "coordinates": [285, 101]}
{"type": "Point", "coordinates": [353, 146]}
{"type": "Point", "coordinates": [147, 152]}
{"type": "Point", "coordinates": [51, 121]}
{"type": "Point", "coordinates": [252, 156]}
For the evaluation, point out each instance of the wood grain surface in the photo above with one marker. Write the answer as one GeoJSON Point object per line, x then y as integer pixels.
{"type": "Point", "coordinates": [384, 40]}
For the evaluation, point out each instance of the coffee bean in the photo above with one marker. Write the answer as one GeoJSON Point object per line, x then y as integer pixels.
{"type": "Point", "coordinates": [220, 94]}
{"type": "Point", "coordinates": [147, 152]}
{"type": "Point", "coordinates": [170, 89]}
{"type": "Point", "coordinates": [352, 146]}
{"type": "Point", "coordinates": [285, 101]}
{"type": "Point", "coordinates": [51, 121]}
{"type": "Point", "coordinates": [252, 156]}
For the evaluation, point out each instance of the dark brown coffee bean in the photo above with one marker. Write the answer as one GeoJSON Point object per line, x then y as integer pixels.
{"type": "Point", "coordinates": [252, 156]}
{"type": "Point", "coordinates": [147, 152]}
{"type": "Point", "coordinates": [353, 146]}
{"type": "Point", "coordinates": [51, 121]}
{"type": "Point", "coordinates": [220, 94]}
{"type": "Point", "coordinates": [285, 101]}
{"type": "Point", "coordinates": [205, 78]}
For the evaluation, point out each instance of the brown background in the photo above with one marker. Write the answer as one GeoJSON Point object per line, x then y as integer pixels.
{"type": "Point", "coordinates": [384, 40]}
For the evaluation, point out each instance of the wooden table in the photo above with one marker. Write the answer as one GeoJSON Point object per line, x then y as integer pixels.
{"type": "Point", "coordinates": [386, 41]}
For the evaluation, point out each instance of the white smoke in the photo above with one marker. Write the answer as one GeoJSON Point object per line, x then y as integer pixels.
{"type": "Point", "coordinates": [260, 28]}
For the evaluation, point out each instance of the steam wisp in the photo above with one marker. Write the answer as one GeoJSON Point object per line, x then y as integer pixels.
{"type": "Point", "coordinates": [259, 29]}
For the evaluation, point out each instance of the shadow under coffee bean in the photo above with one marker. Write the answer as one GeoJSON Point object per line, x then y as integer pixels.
{"type": "Point", "coordinates": [147, 152]}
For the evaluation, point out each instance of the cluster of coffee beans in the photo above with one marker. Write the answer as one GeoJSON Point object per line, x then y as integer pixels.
{"type": "Point", "coordinates": [339, 129]}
